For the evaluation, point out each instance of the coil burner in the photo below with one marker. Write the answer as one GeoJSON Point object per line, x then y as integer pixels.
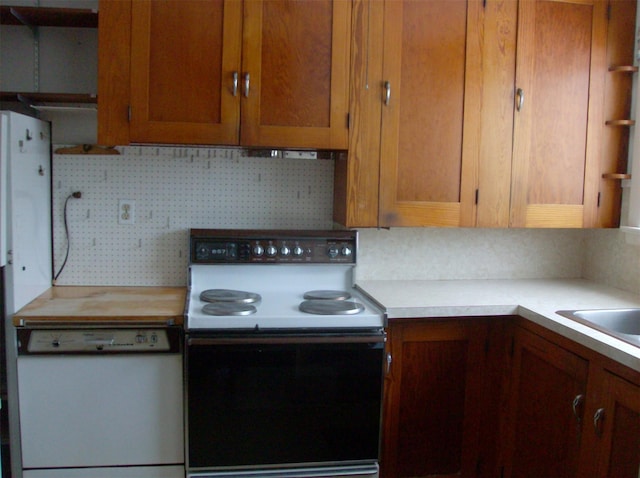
{"type": "Point", "coordinates": [229, 302]}
{"type": "Point", "coordinates": [230, 296]}
{"type": "Point", "coordinates": [228, 308]}
{"type": "Point", "coordinates": [327, 295]}
{"type": "Point", "coordinates": [331, 307]}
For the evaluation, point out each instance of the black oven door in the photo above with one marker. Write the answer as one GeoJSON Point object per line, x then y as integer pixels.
{"type": "Point", "coordinates": [278, 401]}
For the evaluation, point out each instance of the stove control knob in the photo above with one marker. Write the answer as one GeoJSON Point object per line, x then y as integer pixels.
{"type": "Point", "coordinates": [284, 251]}
{"type": "Point", "coordinates": [298, 251]}
{"type": "Point", "coordinates": [333, 251]}
{"type": "Point", "coordinates": [346, 251]}
{"type": "Point", "coordinates": [272, 250]}
{"type": "Point", "coordinates": [258, 250]}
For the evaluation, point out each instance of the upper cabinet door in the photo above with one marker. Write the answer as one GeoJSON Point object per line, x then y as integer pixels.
{"type": "Point", "coordinates": [295, 73]}
{"type": "Point", "coordinates": [429, 117]}
{"type": "Point", "coordinates": [185, 57]}
{"type": "Point", "coordinates": [560, 68]}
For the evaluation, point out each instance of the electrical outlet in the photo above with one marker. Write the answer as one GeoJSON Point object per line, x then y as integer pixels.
{"type": "Point", "coordinates": [126, 211]}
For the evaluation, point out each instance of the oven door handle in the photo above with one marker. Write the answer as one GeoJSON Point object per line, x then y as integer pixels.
{"type": "Point", "coordinates": [297, 339]}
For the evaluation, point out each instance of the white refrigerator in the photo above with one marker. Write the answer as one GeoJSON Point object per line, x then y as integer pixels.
{"type": "Point", "coordinates": [25, 237]}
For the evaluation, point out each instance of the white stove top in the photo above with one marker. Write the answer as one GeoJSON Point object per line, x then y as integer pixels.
{"type": "Point", "coordinates": [282, 288]}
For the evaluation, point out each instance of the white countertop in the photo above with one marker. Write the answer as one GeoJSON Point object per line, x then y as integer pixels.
{"type": "Point", "coordinates": [534, 299]}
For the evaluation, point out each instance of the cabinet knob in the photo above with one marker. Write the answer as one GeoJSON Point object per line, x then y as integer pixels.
{"type": "Point", "coordinates": [576, 406]}
{"type": "Point", "coordinates": [519, 98]}
{"type": "Point", "coordinates": [235, 83]}
{"type": "Point", "coordinates": [598, 419]}
{"type": "Point", "coordinates": [246, 85]}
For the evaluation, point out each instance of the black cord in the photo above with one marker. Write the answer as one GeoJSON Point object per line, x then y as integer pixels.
{"type": "Point", "coordinates": [76, 195]}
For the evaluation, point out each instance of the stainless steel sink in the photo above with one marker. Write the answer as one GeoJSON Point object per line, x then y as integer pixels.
{"type": "Point", "coordinates": [621, 323]}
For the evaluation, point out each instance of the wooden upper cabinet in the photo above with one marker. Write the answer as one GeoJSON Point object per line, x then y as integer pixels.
{"type": "Point", "coordinates": [560, 65]}
{"type": "Point", "coordinates": [272, 73]}
{"type": "Point", "coordinates": [295, 64]}
{"type": "Point", "coordinates": [429, 117]}
{"type": "Point", "coordinates": [184, 55]}
{"type": "Point", "coordinates": [114, 54]}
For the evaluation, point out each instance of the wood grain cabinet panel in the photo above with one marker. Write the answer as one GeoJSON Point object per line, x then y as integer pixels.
{"type": "Point", "coordinates": [296, 54]}
{"type": "Point", "coordinates": [612, 447]}
{"type": "Point", "coordinates": [268, 73]}
{"type": "Point", "coordinates": [545, 415]}
{"type": "Point", "coordinates": [571, 412]}
{"type": "Point", "coordinates": [490, 114]}
{"type": "Point", "coordinates": [560, 63]}
{"type": "Point", "coordinates": [428, 69]}
{"type": "Point", "coordinates": [434, 396]}
{"type": "Point", "coordinates": [182, 78]}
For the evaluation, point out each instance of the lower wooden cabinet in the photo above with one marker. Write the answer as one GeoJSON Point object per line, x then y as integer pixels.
{"type": "Point", "coordinates": [611, 446]}
{"type": "Point", "coordinates": [437, 390]}
{"type": "Point", "coordinates": [546, 408]}
{"type": "Point", "coordinates": [504, 397]}
{"type": "Point", "coordinates": [572, 412]}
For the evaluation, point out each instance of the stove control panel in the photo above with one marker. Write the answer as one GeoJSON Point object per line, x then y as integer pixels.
{"type": "Point", "coordinates": [244, 247]}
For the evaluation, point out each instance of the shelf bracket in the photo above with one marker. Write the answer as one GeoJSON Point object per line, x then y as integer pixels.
{"type": "Point", "coordinates": [24, 101]}
{"type": "Point", "coordinates": [18, 16]}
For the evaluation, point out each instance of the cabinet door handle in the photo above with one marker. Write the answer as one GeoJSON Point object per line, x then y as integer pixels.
{"type": "Point", "coordinates": [519, 98]}
{"type": "Point", "coordinates": [598, 418]}
{"type": "Point", "coordinates": [387, 93]}
{"type": "Point", "coordinates": [235, 83]}
{"type": "Point", "coordinates": [246, 85]}
{"type": "Point", "coordinates": [576, 405]}
{"type": "Point", "coordinates": [389, 360]}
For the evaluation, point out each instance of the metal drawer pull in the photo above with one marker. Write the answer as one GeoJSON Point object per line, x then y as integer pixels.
{"type": "Point", "coordinates": [246, 85]}
{"type": "Point", "coordinates": [577, 403]}
{"type": "Point", "coordinates": [387, 93]}
{"type": "Point", "coordinates": [598, 418]}
{"type": "Point", "coordinates": [519, 98]}
{"type": "Point", "coordinates": [235, 83]}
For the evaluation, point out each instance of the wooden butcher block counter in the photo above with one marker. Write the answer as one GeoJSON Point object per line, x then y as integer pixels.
{"type": "Point", "coordinates": [70, 304]}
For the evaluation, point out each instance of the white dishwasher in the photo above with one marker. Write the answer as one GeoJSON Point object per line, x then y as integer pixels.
{"type": "Point", "coordinates": [101, 402]}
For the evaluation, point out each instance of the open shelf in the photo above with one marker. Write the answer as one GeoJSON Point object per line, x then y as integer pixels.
{"type": "Point", "coordinates": [50, 101]}
{"type": "Point", "coordinates": [48, 17]}
{"type": "Point", "coordinates": [620, 122]}
{"type": "Point", "coordinates": [623, 69]}
{"type": "Point", "coordinates": [34, 17]}
{"type": "Point", "coordinates": [37, 98]}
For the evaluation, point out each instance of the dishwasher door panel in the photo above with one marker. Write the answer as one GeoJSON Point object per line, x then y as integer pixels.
{"type": "Point", "coordinates": [92, 410]}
